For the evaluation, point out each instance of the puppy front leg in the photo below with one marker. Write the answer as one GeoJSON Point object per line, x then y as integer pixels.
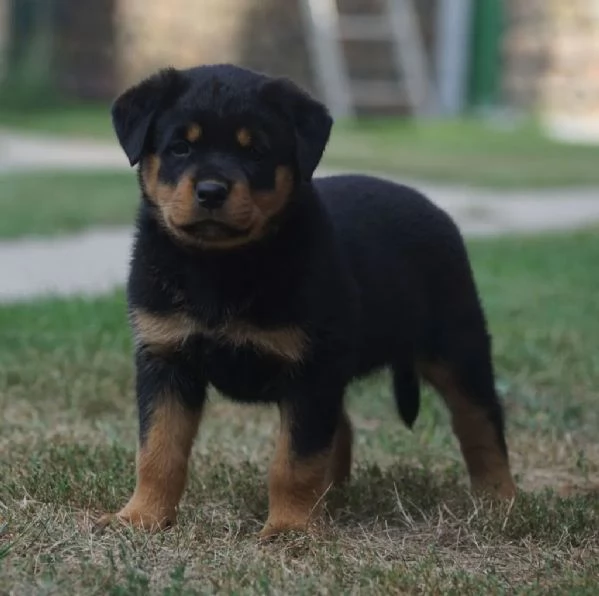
{"type": "Point", "coordinates": [170, 400]}
{"type": "Point", "coordinates": [303, 468]}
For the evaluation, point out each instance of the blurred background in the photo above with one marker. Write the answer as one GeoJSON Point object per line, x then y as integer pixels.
{"type": "Point", "coordinates": [430, 57]}
{"type": "Point", "coordinates": [491, 107]}
{"type": "Point", "coordinates": [478, 98]}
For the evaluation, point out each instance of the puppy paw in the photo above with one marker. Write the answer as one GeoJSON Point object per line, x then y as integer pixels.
{"type": "Point", "coordinates": [497, 488]}
{"type": "Point", "coordinates": [148, 520]}
{"type": "Point", "coordinates": [278, 527]}
{"type": "Point", "coordinates": [270, 531]}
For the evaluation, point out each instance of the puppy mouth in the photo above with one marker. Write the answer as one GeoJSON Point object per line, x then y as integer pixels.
{"type": "Point", "coordinates": [211, 229]}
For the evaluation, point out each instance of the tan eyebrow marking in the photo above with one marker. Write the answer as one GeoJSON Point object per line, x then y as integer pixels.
{"type": "Point", "coordinates": [194, 132]}
{"type": "Point", "coordinates": [244, 137]}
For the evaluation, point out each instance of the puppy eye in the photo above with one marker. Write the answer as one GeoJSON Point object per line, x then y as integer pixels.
{"type": "Point", "coordinates": [180, 149]}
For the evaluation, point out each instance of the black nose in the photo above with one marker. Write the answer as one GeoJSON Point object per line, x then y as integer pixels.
{"type": "Point", "coordinates": [211, 194]}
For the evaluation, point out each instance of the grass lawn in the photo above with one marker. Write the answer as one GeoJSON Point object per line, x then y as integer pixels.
{"type": "Point", "coordinates": [77, 120]}
{"type": "Point", "coordinates": [464, 151]}
{"type": "Point", "coordinates": [53, 203]}
{"type": "Point", "coordinates": [405, 524]}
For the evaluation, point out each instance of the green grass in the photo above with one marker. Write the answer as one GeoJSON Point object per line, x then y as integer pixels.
{"type": "Point", "coordinates": [53, 203]}
{"type": "Point", "coordinates": [73, 120]}
{"type": "Point", "coordinates": [42, 203]}
{"type": "Point", "coordinates": [471, 152]}
{"type": "Point", "coordinates": [405, 524]}
{"type": "Point", "coordinates": [464, 151]}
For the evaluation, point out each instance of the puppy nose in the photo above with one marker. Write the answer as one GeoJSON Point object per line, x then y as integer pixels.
{"type": "Point", "coordinates": [211, 194]}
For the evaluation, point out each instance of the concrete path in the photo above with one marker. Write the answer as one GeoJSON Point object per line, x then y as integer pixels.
{"type": "Point", "coordinates": [91, 263]}
{"type": "Point", "coordinates": [96, 261]}
{"type": "Point", "coordinates": [20, 152]}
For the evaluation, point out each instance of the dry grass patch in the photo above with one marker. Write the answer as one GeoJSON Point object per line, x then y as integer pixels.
{"type": "Point", "coordinates": [406, 524]}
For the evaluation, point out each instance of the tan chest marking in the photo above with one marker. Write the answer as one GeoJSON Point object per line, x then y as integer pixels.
{"type": "Point", "coordinates": [164, 332]}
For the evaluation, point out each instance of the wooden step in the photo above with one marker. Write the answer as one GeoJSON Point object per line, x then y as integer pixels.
{"type": "Point", "coordinates": [364, 28]}
{"type": "Point", "coordinates": [375, 93]}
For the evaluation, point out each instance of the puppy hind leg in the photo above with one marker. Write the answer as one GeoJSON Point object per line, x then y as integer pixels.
{"type": "Point", "coordinates": [406, 390]}
{"type": "Point", "coordinates": [465, 382]}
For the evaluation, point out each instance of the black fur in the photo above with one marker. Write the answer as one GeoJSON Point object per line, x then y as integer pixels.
{"type": "Point", "coordinates": [372, 272]}
{"type": "Point", "coordinates": [135, 110]}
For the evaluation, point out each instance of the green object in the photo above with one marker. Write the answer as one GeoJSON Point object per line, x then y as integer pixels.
{"type": "Point", "coordinates": [29, 53]}
{"type": "Point", "coordinates": [487, 30]}
{"type": "Point", "coordinates": [22, 30]}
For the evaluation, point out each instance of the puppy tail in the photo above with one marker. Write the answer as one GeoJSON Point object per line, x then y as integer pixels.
{"type": "Point", "coordinates": [406, 389]}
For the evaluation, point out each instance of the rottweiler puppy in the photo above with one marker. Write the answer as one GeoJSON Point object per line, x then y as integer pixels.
{"type": "Point", "coordinates": [277, 288]}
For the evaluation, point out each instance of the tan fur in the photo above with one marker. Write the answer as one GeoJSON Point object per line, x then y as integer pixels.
{"type": "Point", "coordinates": [161, 467]}
{"type": "Point", "coordinates": [271, 202]}
{"type": "Point", "coordinates": [287, 342]}
{"type": "Point", "coordinates": [243, 210]}
{"type": "Point", "coordinates": [341, 457]}
{"type": "Point", "coordinates": [193, 133]}
{"type": "Point", "coordinates": [251, 211]}
{"type": "Point", "coordinates": [488, 467]}
{"type": "Point", "coordinates": [149, 173]}
{"type": "Point", "coordinates": [160, 332]}
{"type": "Point", "coordinates": [244, 137]}
{"type": "Point", "coordinates": [296, 486]}
{"type": "Point", "coordinates": [177, 203]}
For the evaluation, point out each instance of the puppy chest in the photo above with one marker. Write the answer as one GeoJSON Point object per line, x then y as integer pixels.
{"type": "Point", "coordinates": [240, 359]}
{"type": "Point", "coordinates": [244, 374]}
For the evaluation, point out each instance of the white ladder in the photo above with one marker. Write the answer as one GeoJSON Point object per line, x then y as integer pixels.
{"type": "Point", "coordinates": [397, 23]}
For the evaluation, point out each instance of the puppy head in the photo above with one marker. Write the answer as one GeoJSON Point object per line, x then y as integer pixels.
{"type": "Point", "coordinates": [221, 149]}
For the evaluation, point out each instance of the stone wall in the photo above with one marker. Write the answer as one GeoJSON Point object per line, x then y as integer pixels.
{"type": "Point", "coordinates": [526, 47]}
{"type": "Point", "coordinates": [571, 82]}
{"type": "Point", "coordinates": [261, 34]}
{"type": "Point", "coordinates": [551, 56]}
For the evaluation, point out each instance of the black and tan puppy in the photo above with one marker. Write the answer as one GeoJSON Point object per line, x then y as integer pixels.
{"type": "Point", "coordinates": [276, 288]}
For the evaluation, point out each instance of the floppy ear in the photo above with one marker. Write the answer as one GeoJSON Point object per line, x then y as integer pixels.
{"type": "Point", "coordinates": [134, 110]}
{"type": "Point", "coordinates": [311, 121]}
